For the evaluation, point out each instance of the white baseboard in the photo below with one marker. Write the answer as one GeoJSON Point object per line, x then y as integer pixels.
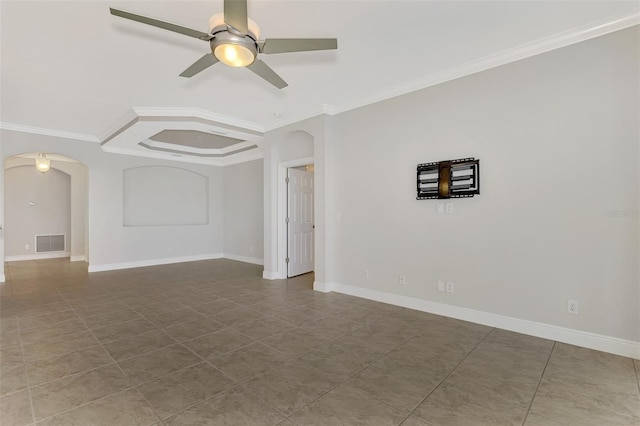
{"type": "Point", "coordinates": [323, 287]}
{"type": "Point", "coordinates": [80, 258]}
{"type": "Point", "coordinates": [254, 260]}
{"type": "Point", "coordinates": [36, 256]}
{"type": "Point", "coordinates": [614, 345]}
{"type": "Point", "coordinates": [271, 275]}
{"type": "Point", "coordinates": [152, 262]}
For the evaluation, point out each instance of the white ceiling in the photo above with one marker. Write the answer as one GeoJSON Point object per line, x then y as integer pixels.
{"type": "Point", "coordinates": [72, 67]}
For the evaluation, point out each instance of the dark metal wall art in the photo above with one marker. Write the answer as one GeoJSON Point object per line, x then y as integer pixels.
{"type": "Point", "coordinates": [448, 179]}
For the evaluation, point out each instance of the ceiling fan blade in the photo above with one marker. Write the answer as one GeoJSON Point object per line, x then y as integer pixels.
{"type": "Point", "coordinates": [161, 24]}
{"type": "Point", "coordinates": [284, 45]}
{"type": "Point", "coordinates": [267, 73]}
{"type": "Point", "coordinates": [235, 15]}
{"type": "Point", "coordinates": [200, 65]}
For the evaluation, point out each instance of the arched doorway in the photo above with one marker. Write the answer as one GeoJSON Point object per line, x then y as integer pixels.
{"type": "Point", "coordinates": [34, 209]}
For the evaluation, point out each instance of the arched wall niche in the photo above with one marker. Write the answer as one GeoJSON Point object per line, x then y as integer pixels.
{"type": "Point", "coordinates": [164, 196]}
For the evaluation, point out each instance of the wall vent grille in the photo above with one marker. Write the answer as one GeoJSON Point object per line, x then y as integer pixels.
{"type": "Point", "coordinates": [49, 243]}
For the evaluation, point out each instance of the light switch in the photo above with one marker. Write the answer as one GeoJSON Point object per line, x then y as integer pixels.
{"type": "Point", "coordinates": [440, 208]}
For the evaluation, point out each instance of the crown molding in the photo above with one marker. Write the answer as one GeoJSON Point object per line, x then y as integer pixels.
{"type": "Point", "coordinates": [126, 119]}
{"type": "Point", "coordinates": [48, 132]}
{"type": "Point", "coordinates": [556, 41]}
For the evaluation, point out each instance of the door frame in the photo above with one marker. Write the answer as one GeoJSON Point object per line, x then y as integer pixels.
{"type": "Point", "coordinates": [282, 212]}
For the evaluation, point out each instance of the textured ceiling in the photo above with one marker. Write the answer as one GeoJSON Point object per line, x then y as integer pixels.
{"type": "Point", "coordinates": [72, 67]}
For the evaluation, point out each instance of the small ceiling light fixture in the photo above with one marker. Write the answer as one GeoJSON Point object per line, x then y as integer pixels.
{"type": "Point", "coordinates": [43, 164]}
{"type": "Point", "coordinates": [230, 46]}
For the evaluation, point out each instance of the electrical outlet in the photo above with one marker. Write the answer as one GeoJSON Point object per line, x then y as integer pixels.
{"type": "Point", "coordinates": [449, 207]}
{"type": "Point", "coordinates": [402, 279]}
{"type": "Point", "coordinates": [26, 246]}
{"type": "Point", "coordinates": [572, 307]}
{"type": "Point", "coordinates": [450, 287]}
{"type": "Point", "coordinates": [250, 249]}
{"type": "Point", "coordinates": [365, 274]}
{"type": "Point", "coordinates": [440, 285]}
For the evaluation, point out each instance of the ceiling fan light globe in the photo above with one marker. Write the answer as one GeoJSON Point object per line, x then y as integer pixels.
{"type": "Point", "coordinates": [234, 55]}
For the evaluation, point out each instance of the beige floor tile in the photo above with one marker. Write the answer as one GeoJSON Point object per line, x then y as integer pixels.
{"type": "Point", "coordinates": [67, 393]}
{"type": "Point", "coordinates": [212, 308]}
{"type": "Point", "coordinates": [347, 406]}
{"type": "Point", "coordinates": [236, 407]}
{"type": "Point", "coordinates": [148, 366]}
{"type": "Point", "coordinates": [48, 369]}
{"type": "Point", "coordinates": [95, 307]}
{"type": "Point", "coordinates": [13, 379]}
{"type": "Point", "coordinates": [155, 308]}
{"type": "Point", "coordinates": [326, 328]}
{"type": "Point", "coordinates": [111, 317]}
{"type": "Point", "coordinates": [473, 406]}
{"type": "Point", "coordinates": [534, 419]}
{"type": "Point", "coordinates": [10, 356]}
{"type": "Point", "coordinates": [248, 299]}
{"type": "Point", "coordinates": [286, 422]}
{"type": "Point", "coordinates": [137, 345]}
{"type": "Point", "coordinates": [29, 323]}
{"type": "Point", "coordinates": [301, 315]}
{"type": "Point", "coordinates": [184, 388]}
{"type": "Point", "coordinates": [396, 384]}
{"type": "Point", "coordinates": [15, 409]}
{"type": "Point", "coordinates": [58, 346]}
{"type": "Point", "coordinates": [484, 376]}
{"type": "Point", "coordinates": [122, 330]}
{"type": "Point", "coordinates": [194, 328]}
{"type": "Point", "coordinates": [290, 386]}
{"type": "Point", "coordinates": [215, 344]}
{"type": "Point", "coordinates": [337, 361]}
{"type": "Point", "coordinates": [297, 341]}
{"type": "Point", "coordinates": [53, 332]}
{"type": "Point", "coordinates": [237, 315]}
{"type": "Point", "coordinates": [168, 319]}
{"type": "Point", "coordinates": [248, 361]}
{"type": "Point", "coordinates": [124, 408]}
{"type": "Point", "coordinates": [587, 403]}
{"type": "Point", "coordinates": [264, 327]}
{"type": "Point", "coordinates": [30, 308]}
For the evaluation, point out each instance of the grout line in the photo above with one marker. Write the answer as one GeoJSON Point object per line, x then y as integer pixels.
{"type": "Point", "coordinates": [539, 381]}
{"type": "Point", "coordinates": [375, 361]}
{"type": "Point", "coordinates": [447, 376]}
{"type": "Point", "coordinates": [119, 368]}
{"type": "Point", "coordinates": [26, 373]}
{"type": "Point", "coordinates": [637, 371]}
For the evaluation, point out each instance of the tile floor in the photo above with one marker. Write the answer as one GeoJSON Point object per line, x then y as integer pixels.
{"type": "Point", "coordinates": [211, 343]}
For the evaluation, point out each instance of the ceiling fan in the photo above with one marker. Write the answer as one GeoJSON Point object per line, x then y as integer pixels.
{"type": "Point", "coordinates": [234, 40]}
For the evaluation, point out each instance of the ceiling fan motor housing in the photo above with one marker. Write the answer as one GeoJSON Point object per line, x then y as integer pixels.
{"type": "Point", "coordinates": [225, 35]}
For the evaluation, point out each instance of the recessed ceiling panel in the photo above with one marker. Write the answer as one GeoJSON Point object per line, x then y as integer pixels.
{"type": "Point", "coordinates": [194, 139]}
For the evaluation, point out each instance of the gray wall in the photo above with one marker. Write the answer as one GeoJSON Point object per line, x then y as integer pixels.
{"type": "Point", "coordinates": [244, 211]}
{"type": "Point", "coordinates": [161, 196]}
{"type": "Point", "coordinates": [36, 203]}
{"type": "Point", "coordinates": [558, 140]}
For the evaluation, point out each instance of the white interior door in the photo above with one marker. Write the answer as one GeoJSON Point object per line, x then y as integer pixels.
{"type": "Point", "coordinates": [299, 222]}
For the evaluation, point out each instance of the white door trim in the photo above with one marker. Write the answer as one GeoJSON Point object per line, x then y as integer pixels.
{"type": "Point", "coordinates": [282, 213]}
